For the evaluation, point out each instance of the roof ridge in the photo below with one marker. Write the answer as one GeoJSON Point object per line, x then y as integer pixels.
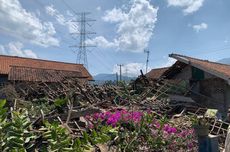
{"type": "Point", "coordinates": [201, 59]}
{"type": "Point", "coordinates": [9, 56]}
{"type": "Point", "coordinates": [16, 66]}
{"type": "Point", "coordinates": [160, 68]}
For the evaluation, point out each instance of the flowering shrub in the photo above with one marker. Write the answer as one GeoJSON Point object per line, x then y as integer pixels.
{"type": "Point", "coordinates": [18, 135]}
{"type": "Point", "coordinates": [116, 118]}
{"type": "Point", "coordinates": [139, 131]}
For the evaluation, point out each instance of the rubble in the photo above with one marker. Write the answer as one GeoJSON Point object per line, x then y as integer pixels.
{"type": "Point", "coordinates": [162, 97]}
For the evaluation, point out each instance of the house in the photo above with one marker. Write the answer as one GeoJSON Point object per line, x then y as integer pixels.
{"type": "Point", "coordinates": [208, 81]}
{"type": "Point", "coordinates": [13, 68]}
{"type": "Point", "coordinates": [155, 74]}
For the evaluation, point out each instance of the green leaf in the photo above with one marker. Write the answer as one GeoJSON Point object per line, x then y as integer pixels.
{"type": "Point", "coordinates": [60, 102]}
{"type": "Point", "coordinates": [15, 133]}
{"type": "Point", "coordinates": [67, 149]}
{"type": "Point", "coordinates": [16, 144]}
{"type": "Point", "coordinates": [2, 103]}
{"type": "Point", "coordinates": [85, 136]}
{"type": "Point", "coordinates": [77, 143]}
{"type": "Point", "coordinates": [15, 139]}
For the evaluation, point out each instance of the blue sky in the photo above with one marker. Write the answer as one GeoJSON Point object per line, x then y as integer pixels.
{"type": "Point", "coordinates": [124, 28]}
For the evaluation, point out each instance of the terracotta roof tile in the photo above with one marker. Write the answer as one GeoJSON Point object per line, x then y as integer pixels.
{"type": "Point", "coordinates": [41, 75]}
{"type": "Point", "coordinates": [7, 61]}
{"type": "Point", "coordinates": [156, 73]}
{"type": "Point", "coordinates": [215, 67]}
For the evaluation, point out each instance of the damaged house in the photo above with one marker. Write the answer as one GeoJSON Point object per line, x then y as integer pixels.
{"type": "Point", "coordinates": [14, 68]}
{"type": "Point", "coordinates": [155, 74]}
{"type": "Point", "coordinates": [208, 82]}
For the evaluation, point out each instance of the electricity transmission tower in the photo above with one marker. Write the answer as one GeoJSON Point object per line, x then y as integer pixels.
{"type": "Point", "coordinates": [147, 60]}
{"type": "Point", "coordinates": [83, 33]}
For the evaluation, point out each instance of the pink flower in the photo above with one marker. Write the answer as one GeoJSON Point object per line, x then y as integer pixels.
{"type": "Point", "coordinates": [173, 130]}
{"type": "Point", "coordinates": [91, 126]}
{"type": "Point", "coordinates": [157, 125]}
{"type": "Point", "coordinates": [169, 129]}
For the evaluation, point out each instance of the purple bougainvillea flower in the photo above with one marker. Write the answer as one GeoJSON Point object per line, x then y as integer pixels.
{"type": "Point", "coordinates": [96, 116]}
{"type": "Point", "coordinates": [157, 125]}
{"type": "Point", "coordinates": [173, 130]}
{"type": "Point", "coordinates": [166, 127]}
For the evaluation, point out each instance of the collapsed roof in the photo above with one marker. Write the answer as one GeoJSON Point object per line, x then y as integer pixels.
{"type": "Point", "coordinates": [156, 73]}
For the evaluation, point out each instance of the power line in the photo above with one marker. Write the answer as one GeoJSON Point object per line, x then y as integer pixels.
{"type": "Point", "coordinates": [101, 61]}
{"type": "Point", "coordinates": [56, 29]}
{"type": "Point", "coordinates": [68, 6]}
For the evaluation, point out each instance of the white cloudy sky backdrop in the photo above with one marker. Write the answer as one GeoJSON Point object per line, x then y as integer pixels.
{"type": "Point", "coordinates": [42, 29]}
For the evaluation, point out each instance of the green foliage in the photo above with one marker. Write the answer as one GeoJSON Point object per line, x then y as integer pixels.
{"type": "Point", "coordinates": [60, 102]}
{"type": "Point", "coordinates": [2, 103]}
{"type": "Point", "coordinates": [103, 135]}
{"type": "Point", "coordinates": [59, 140]}
{"type": "Point", "coordinates": [34, 107]}
{"type": "Point", "coordinates": [17, 135]}
{"type": "Point", "coordinates": [199, 121]}
{"type": "Point", "coordinates": [15, 132]}
{"type": "Point", "coordinates": [57, 137]}
{"type": "Point", "coordinates": [3, 115]}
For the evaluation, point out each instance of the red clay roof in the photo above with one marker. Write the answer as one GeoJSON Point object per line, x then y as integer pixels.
{"type": "Point", "coordinates": [40, 75]}
{"type": "Point", "coordinates": [6, 62]}
{"type": "Point", "coordinates": [212, 67]}
{"type": "Point", "coordinates": [156, 73]}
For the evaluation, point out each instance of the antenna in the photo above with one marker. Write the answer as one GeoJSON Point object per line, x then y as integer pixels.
{"type": "Point", "coordinates": [147, 60]}
{"type": "Point", "coordinates": [82, 52]}
{"type": "Point", "coordinates": [120, 65]}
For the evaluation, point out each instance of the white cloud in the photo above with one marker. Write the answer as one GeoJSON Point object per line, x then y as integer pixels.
{"type": "Point", "coordinates": [18, 22]}
{"type": "Point", "coordinates": [200, 27]}
{"type": "Point", "coordinates": [188, 6]}
{"type": "Point", "coordinates": [134, 26]}
{"type": "Point", "coordinates": [226, 40]}
{"type": "Point", "coordinates": [115, 15]}
{"type": "Point", "coordinates": [167, 62]}
{"type": "Point", "coordinates": [100, 41]}
{"type": "Point", "coordinates": [61, 19]}
{"type": "Point", "coordinates": [130, 69]}
{"type": "Point", "coordinates": [16, 49]}
{"type": "Point", "coordinates": [98, 8]}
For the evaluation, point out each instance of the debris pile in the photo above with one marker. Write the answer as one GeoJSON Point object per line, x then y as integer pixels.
{"type": "Point", "coordinates": [69, 102]}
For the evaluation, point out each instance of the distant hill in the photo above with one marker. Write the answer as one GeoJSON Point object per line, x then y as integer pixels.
{"type": "Point", "coordinates": [224, 61]}
{"type": "Point", "coordinates": [102, 78]}
{"type": "Point", "coordinates": [105, 77]}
